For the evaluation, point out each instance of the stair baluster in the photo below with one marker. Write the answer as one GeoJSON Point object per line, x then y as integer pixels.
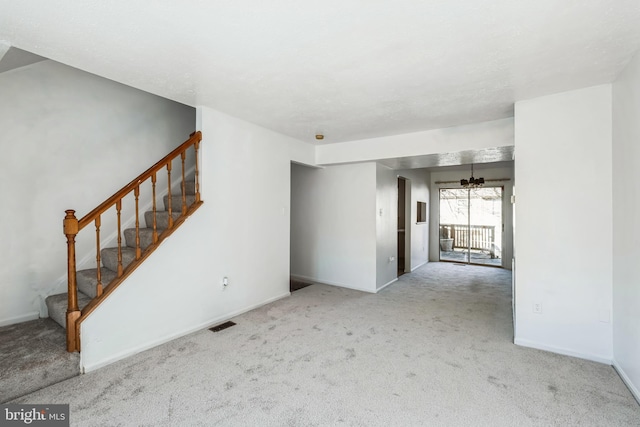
{"type": "Point", "coordinates": [118, 209]}
{"type": "Point", "coordinates": [136, 193]}
{"type": "Point", "coordinates": [196, 146]}
{"type": "Point", "coordinates": [98, 269]}
{"type": "Point", "coordinates": [169, 195]}
{"type": "Point", "coordinates": [155, 222]}
{"type": "Point", "coordinates": [183, 155]}
{"type": "Point", "coordinates": [80, 303]}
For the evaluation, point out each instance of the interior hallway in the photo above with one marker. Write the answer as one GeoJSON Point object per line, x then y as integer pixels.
{"type": "Point", "coordinates": [435, 348]}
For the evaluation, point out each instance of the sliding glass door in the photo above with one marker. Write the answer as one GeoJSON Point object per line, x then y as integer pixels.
{"type": "Point", "coordinates": [454, 221]}
{"type": "Point", "coordinates": [471, 225]}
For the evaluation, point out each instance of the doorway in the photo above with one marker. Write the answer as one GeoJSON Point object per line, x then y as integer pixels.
{"type": "Point", "coordinates": [471, 225]}
{"type": "Point", "coordinates": [404, 226]}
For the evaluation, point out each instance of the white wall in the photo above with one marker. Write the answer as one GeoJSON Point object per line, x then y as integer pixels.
{"type": "Point", "coordinates": [445, 174]}
{"type": "Point", "coordinates": [564, 222]}
{"type": "Point", "coordinates": [241, 232]}
{"type": "Point", "coordinates": [69, 140]}
{"type": "Point", "coordinates": [497, 133]}
{"type": "Point", "coordinates": [333, 225]}
{"type": "Point", "coordinates": [344, 224]}
{"type": "Point", "coordinates": [626, 231]}
{"type": "Point", "coordinates": [418, 180]}
{"type": "Point", "coordinates": [386, 214]}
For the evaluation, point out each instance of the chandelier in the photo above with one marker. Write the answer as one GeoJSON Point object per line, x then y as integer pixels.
{"type": "Point", "coordinates": [472, 182]}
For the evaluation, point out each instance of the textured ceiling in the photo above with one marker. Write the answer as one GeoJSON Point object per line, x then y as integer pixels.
{"type": "Point", "coordinates": [349, 69]}
{"type": "Point", "coordinates": [490, 156]}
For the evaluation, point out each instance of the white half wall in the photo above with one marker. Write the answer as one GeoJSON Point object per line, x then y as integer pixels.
{"type": "Point", "coordinates": [446, 174]}
{"type": "Point", "coordinates": [419, 183]}
{"type": "Point", "coordinates": [333, 225]}
{"type": "Point", "coordinates": [496, 133]}
{"type": "Point", "coordinates": [70, 140]}
{"type": "Point", "coordinates": [241, 232]}
{"type": "Point", "coordinates": [386, 214]}
{"type": "Point", "coordinates": [626, 230]}
{"type": "Point", "coordinates": [564, 219]}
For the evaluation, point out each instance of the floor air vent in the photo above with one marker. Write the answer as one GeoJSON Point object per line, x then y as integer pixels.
{"type": "Point", "coordinates": [222, 326]}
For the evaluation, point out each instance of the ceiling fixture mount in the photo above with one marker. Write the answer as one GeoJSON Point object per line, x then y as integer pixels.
{"type": "Point", "coordinates": [472, 182]}
{"type": "Point", "coordinates": [319, 136]}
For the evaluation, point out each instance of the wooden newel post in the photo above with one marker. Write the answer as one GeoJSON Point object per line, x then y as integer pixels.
{"type": "Point", "coordinates": [71, 228]}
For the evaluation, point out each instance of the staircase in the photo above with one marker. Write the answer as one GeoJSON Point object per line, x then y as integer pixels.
{"type": "Point", "coordinates": [88, 288]}
{"type": "Point", "coordinates": [87, 280]}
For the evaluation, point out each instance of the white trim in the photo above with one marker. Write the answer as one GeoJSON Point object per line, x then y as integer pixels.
{"type": "Point", "coordinates": [627, 381]}
{"type": "Point", "coordinates": [387, 284]}
{"type": "Point", "coordinates": [19, 319]}
{"type": "Point", "coordinates": [419, 265]}
{"type": "Point", "coordinates": [563, 351]}
{"type": "Point", "coordinates": [326, 282]}
{"type": "Point", "coordinates": [209, 323]}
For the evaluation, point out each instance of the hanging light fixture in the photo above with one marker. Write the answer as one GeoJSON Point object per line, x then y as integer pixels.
{"type": "Point", "coordinates": [472, 182]}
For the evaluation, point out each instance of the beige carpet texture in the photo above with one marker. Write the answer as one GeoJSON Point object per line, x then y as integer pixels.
{"type": "Point", "coordinates": [33, 355]}
{"type": "Point", "coordinates": [434, 348]}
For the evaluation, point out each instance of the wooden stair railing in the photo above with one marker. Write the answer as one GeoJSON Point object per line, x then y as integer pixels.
{"type": "Point", "coordinates": [72, 226]}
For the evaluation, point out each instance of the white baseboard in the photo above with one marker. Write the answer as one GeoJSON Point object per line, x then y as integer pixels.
{"type": "Point", "coordinates": [419, 265]}
{"type": "Point", "coordinates": [387, 284]}
{"type": "Point", "coordinates": [627, 381]}
{"type": "Point", "coordinates": [326, 282]}
{"type": "Point", "coordinates": [19, 319]}
{"type": "Point", "coordinates": [563, 351]}
{"type": "Point", "coordinates": [88, 367]}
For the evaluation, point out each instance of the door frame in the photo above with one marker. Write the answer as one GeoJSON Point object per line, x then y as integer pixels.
{"type": "Point", "coordinates": [406, 268]}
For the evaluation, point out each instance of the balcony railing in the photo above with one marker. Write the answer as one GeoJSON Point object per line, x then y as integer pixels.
{"type": "Point", "coordinates": [474, 237]}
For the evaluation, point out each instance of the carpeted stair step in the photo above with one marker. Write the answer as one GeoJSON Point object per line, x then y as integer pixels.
{"type": "Point", "coordinates": [110, 257]}
{"type": "Point", "coordinates": [87, 280]}
{"type": "Point", "coordinates": [190, 187]}
{"type": "Point", "coordinates": [162, 219]}
{"type": "Point", "coordinates": [57, 306]}
{"type": "Point", "coordinates": [176, 202]}
{"type": "Point", "coordinates": [146, 237]}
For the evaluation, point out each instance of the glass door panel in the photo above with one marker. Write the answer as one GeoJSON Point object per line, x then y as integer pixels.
{"type": "Point", "coordinates": [454, 224]}
{"type": "Point", "coordinates": [485, 226]}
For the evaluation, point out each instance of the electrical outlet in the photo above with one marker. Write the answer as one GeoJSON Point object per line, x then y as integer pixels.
{"type": "Point", "coordinates": [537, 308]}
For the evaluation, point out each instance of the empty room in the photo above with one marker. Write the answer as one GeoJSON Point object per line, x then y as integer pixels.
{"type": "Point", "coordinates": [321, 213]}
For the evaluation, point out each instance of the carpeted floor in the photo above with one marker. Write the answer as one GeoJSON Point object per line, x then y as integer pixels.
{"type": "Point", "coordinates": [33, 356]}
{"type": "Point", "coordinates": [434, 349]}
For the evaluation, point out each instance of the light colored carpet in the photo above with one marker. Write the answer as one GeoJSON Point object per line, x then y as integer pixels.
{"type": "Point", "coordinates": [433, 349]}
{"type": "Point", "coordinates": [33, 356]}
